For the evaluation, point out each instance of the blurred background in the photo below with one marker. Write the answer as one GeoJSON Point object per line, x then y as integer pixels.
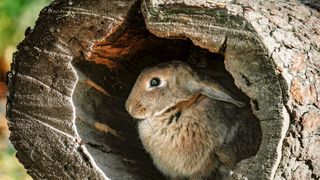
{"type": "Point", "coordinates": [15, 17]}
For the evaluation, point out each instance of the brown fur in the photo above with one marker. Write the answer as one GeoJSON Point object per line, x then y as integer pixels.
{"type": "Point", "coordinates": [183, 127]}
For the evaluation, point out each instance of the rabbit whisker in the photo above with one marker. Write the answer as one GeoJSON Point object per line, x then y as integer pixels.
{"type": "Point", "coordinates": [149, 123]}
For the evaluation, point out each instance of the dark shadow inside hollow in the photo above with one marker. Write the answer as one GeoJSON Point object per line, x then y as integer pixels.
{"type": "Point", "coordinates": [106, 74]}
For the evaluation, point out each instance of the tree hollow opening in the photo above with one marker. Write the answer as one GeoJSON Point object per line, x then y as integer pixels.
{"type": "Point", "coordinates": [106, 74]}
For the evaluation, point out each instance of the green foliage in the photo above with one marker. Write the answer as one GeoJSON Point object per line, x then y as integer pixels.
{"type": "Point", "coordinates": [15, 17]}
{"type": "Point", "coordinates": [11, 169]}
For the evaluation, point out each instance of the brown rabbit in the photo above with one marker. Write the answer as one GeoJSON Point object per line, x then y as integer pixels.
{"type": "Point", "coordinates": [181, 122]}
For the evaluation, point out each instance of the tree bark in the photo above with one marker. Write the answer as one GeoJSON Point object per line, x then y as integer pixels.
{"type": "Point", "coordinates": [71, 75]}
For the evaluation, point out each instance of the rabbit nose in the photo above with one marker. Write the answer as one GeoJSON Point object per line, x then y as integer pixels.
{"type": "Point", "coordinates": [128, 107]}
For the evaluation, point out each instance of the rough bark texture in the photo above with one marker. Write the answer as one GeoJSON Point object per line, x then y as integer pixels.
{"type": "Point", "coordinates": [71, 76]}
{"type": "Point", "coordinates": [42, 80]}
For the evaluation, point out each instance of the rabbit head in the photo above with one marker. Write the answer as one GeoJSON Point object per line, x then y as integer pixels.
{"type": "Point", "coordinates": [162, 87]}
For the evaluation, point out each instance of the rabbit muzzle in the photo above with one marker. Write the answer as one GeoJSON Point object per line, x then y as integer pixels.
{"type": "Point", "coordinates": [137, 110]}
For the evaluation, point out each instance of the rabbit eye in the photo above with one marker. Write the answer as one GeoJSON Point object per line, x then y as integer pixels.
{"type": "Point", "coordinates": [154, 82]}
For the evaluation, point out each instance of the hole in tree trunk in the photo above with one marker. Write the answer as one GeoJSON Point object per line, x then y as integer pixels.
{"type": "Point", "coordinates": [106, 74]}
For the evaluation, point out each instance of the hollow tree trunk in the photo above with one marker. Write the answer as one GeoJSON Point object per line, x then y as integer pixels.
{"type": "Point", "coordinates": [71, 75]}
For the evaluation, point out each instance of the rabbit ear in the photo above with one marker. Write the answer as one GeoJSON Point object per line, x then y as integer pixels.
{"type": "Point", "coordinates": [213, 90]}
